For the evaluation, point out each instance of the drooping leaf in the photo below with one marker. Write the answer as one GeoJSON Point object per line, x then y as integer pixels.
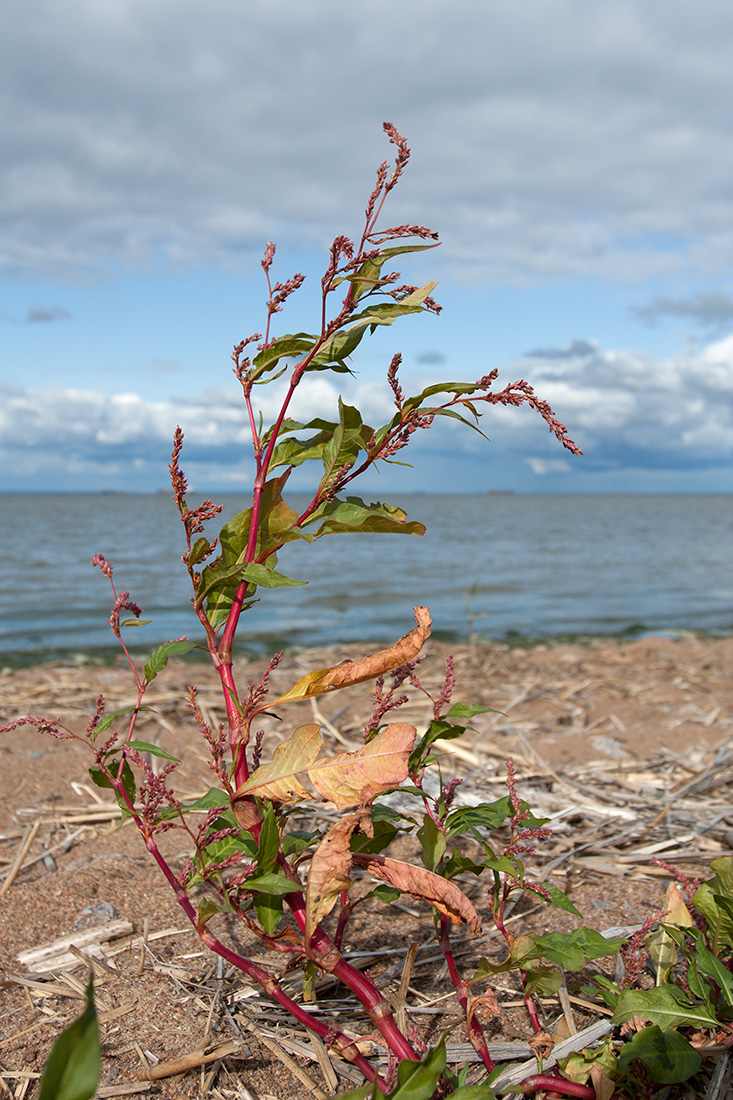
{"type": "Point", "coordinates": [72, 1069]}
{"type": "Point", "coordinates": [423, 885]}
{"type": "Point", "coordinates": [668, 1056]}
{"type": "Point", "coordinates": [364, 668]}
{"type": "Point", "coordinates": [158, 659]}
{"type": "Point", "coordinates": [328, 875]}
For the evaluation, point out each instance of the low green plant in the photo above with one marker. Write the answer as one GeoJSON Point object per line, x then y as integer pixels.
{"type": "Point", "coordinates": [72, 1068]}
{"type": "Point", "coordinates": [292, 888]}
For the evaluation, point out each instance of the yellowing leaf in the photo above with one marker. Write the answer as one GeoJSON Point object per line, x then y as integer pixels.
{"type": "Point", "coordinates": [347, 779]}
{"type": "Point", "coordinates": [363, 668]}
{"type": "Point", "coordinates": [329, 869]}
{"type": "Point", "coordinates": [356, 777]}
{"type": "Point", "coordinates": [276, 780]}
{"type": "Point", "coordinates": [424, 885]}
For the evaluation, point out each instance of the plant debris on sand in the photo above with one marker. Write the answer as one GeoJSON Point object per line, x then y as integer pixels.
{"type": "Point", "coordinates": [625, 746]}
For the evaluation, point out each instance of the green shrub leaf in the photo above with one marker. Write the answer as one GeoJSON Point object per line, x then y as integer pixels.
{"type": "Point", "coordinates": [158, 659]}
{"type": "Point", "coordinates": [668, 1057]}
{"type": "Point", "coordinates": [72, 1069]}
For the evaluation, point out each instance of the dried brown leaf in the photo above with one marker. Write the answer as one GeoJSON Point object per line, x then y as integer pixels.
{"type": "Point", "coordinates": [346, 779]}
{"type": "Point", "coordinates": [356, 777]}
{"type": "Point", "coordinates": [329, 870]}
{"type": "Point", "coordinates": [363, 668]}
{"type": "Point", "coordinates": [424, 885]}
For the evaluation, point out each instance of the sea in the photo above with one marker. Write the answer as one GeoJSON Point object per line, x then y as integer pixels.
{"type": "Point", "coordinates": [510, 568]}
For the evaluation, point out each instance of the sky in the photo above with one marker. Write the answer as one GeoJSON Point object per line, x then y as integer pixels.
{"type": "Point", "coordinates": [576, 159]}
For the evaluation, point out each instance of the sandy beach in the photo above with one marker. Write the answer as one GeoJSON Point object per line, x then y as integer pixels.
{"type": "Point", "coordinates": [608, 738]}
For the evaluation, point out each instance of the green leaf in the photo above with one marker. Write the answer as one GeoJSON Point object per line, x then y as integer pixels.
{"type": "Point", "coordinates": [98, 777]}
{"type": "Point", "coordinates": [269, 910]}
{"type": "Point", "coordinates": [711, 965]}
{"type": "Point", "coordinates": [460, 864]}
{"type": "Point", "coordinates": [294, 452]}
{"type": "Point", "coordinates": [464, 712]}
{"type": "Point", "coordinates": [438, 729]}
{"type": "Point", "coordinates": [572, 950]}
{"type": "Point", "coordinates": [153, 750]}
{"type": "Point", "coordinates": [363, 1093]}
{"type": "Point", "coordinates": [297, 841]}
{"type": "Point", "coordinates": [158, 659]}
{"type": "Point", "coordinates": [473, 1092]}
{"type": "Point", "coordinates": [269, 841]}
{"type": "Point", "coordinates": [207, 909]}
{"type": "Point", "coordinates": [136, 622]}
{"type": "Point", "coordinates": [560, 900]}
{"type": "Point", "coordinates": [433, 843]}
{"type": "Point", "coordinates": [287, 346]}
{"type": "Point", "coordinates": [542, 979]}
{"type": "Point", "coordinates": [714, 900]}
{"type": "Point", "coordinates": [523, 950]}
{"type": "Point", "coordinates": [272, 883]}
{"type": "Point", "coordinates": [488, 815]}
{"type": "Point", "coordinates": [110, 718]}
{"type": "Point", "coordinates": [666, 1005]}
{"type": "Point", "coordinates": [418, 1080]}
{"type": "Point", "coordinates": [354, 515]}
{"type": "Point", "coordinates": [199, 551]}
{"type": "Point", "coordinates": [368, 276]}
{"type": "Point", "coordinates": [72, 1069]}
{"type": "Point", "coordinates": [668, 1057]}
{"type": "Point", "coordinates": [387, 894]}
{"type": "Point", "coordinates": [384, 834]}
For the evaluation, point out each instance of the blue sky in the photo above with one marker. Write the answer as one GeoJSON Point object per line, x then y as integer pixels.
{"type": "Point", "coordinates": [576, 158]}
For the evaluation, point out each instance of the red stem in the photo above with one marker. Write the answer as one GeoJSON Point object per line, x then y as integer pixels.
{"type": "Point", "coordinates": [561, 1085]}
{"type": "Point", "coordinates": [475, 1031]}
{"type": "Point", "coordinates": [326, 955]}
{"type": "Point", "coordinates": [340, 1042]}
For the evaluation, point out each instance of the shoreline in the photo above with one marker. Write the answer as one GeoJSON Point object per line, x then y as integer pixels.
{"type": "Point", "coordinates": [111, 655]}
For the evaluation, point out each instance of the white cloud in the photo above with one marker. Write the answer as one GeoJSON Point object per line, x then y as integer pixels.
{"type": "Point", "coordinates": [627, 411]}
{"type": "Point", "coordinates": [585, 139]}
{"type": "Point", "coordinates": [675, 410]}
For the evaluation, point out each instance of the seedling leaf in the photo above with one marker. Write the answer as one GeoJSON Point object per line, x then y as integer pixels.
{"type": "Point", "coordinates": [72, 1069]}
